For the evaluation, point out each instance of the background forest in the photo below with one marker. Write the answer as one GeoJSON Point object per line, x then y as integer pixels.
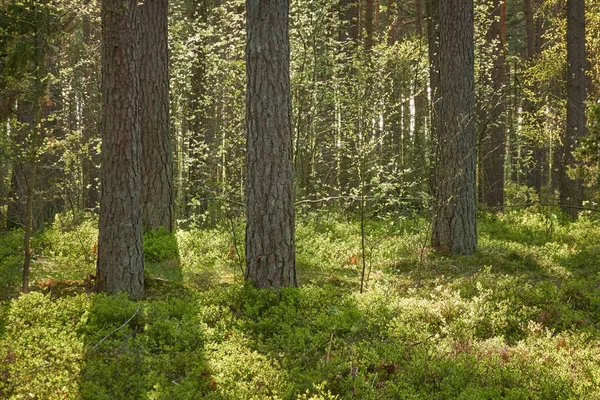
{"type": "Point", "coordinates": [381, 311]}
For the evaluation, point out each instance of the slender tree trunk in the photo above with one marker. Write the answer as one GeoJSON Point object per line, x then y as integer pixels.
{"type": "Point", "coordinates": [432, 9]}
{"type": "Point", "coordinates": [90, 117]}
{"type": "Point", "coordinates": [532, 168]}
{"type": "Point", "coordinates": [270, 247]}
{"type": "Point", "coordinates": [30, 182]}
{"type": "Point", "coordinates": [157, 155]}
{"type": "Point", "coordinates": [15, 210]}
{"type": "Point", "coordinates": [369, 24]}
{"type": "Point", "coordinates": [344, 140]}
{"type": "Point", "coordinates": [571, 190]}
{"type": "Point", "coordinates": [493, 144]}
{"type": "Point", "coordinates": [377, 13]}
{"type": "Point", "coordinates": [421, 106]}
{"type": "Point", "coordinates": [455, 213]}
{"type": "Point", "coordinates": [120, 253]}
{"type": "Point", "coordinates": [391, 21]}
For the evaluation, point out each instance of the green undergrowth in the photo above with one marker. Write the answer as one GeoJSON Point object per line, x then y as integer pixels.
{"type": "Point", "coordinates": [519, 319]}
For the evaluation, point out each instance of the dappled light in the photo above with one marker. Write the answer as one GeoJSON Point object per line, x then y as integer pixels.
{"type": "Point", "coordinates": [299, 199]}
{"type": "Point", "coordinates": [517, 319]}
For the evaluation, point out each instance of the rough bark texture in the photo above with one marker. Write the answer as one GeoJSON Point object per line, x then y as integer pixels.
{"type": "Point", "coordinates": [454, 222]}
{"type": "Point", "coordinates": [157, 157]}
{"type": "Point", "coordinates": [120, 254]}
{"type": "Point", "coordinates": [494, 142]}
{"type": "Point", "coordinates": [270, 248]}
{"type": "Point", "coordinates": [571, 190]}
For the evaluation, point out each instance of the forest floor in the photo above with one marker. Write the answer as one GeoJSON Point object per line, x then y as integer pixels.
{"type": "Point", "coordinates": [519, 319]}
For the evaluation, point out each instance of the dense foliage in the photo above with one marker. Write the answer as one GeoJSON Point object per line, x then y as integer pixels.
{"type": "Point", "coordinates": [360, 113]}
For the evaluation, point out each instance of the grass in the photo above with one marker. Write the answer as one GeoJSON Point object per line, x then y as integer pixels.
{"type": "Point", "coordinates": [518, 320]}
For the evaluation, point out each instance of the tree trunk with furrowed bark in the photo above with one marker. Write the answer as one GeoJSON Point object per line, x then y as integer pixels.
{"type": "Point", "coordinates": [120, 254]}
{"type": "Point", "coordinates": [455, 211]}
{"type": "Point", "coordinates": [157, 157]}
{"type": "Point", "coordinates": [270, 247]}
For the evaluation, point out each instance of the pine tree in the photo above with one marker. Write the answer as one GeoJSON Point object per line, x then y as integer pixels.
{"type": "Point", "coordinates": [120, 253]}
{"type": "Point", "coordinates": [455, 211]}
{"type": "Point", "coordinates": [270, 248]}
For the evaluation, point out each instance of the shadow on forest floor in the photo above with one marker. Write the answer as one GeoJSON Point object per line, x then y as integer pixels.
{"type": "Point", "coordinates": [518, 319]}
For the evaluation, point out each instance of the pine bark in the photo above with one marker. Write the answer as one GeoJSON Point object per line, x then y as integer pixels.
{"type": "Point", "coordinates": [455, 216]}
{"type": "Point", "coordinates": [120, 254]}
{"type": "Point", "coordinates": [157, 156]}
{"type": "Point", "coordinates": [571, 190]}
{"type": "Point", "coordinates": [270, 247]}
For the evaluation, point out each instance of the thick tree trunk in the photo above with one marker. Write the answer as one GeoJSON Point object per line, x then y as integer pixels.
{"type": "Point", "coordinates": [270, 247]}
{"type": "Point", "coordinates": [157, 156]}
{"type": "Point", "coordinates": [455, 213]}
{"type": "Point", "coordinates": [571, 190]}
{"type": "Point", "coordinates": [494, 143]}
{"type": "Point", "coordinates": [120, 253]}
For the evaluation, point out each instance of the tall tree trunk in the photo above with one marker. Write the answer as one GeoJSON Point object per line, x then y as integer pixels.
{"type": "Point", "coordinates": [455, 213]}
{"type": "Point", "coordinates": [533, 168]}
{"type": "Point", "coordinates": [571, 190]}
{"type": "Point", "coordinates": [120, 253]}
{"type": "Point", "coordinates": [156, 156]}
{"type": "Point", "coordinates": [270, 247]}
{"type": "Point", "coordinates": [432, 9]}
{"type": "Point", "coordinates": [344, 140]}
{"type": "Point", "coordinates": [493, 144]}
{"type": "Point", "coordinates": [90, 118]}
{"type": "Point", "coordinates": [421, 107]}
